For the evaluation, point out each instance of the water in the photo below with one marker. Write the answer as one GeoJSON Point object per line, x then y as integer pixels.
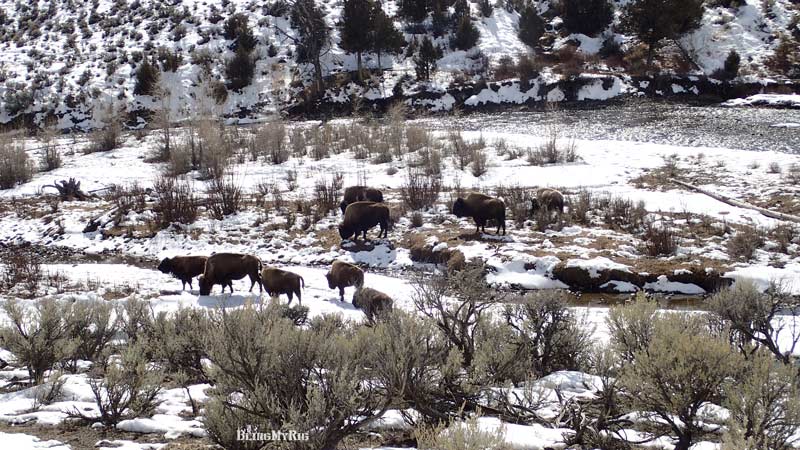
{"type": "Point", "coordinates": [746, 128]}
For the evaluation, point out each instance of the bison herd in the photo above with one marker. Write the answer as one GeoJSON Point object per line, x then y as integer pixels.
{"type": "Point", "coordinates": [362, 209]}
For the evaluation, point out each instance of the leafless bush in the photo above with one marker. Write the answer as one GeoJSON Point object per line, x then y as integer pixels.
{"type": "Point", "coordinates": [793, 173]}
{"type": "Point", "coordinates": [785, 235]}
{"type": "Point", "coordinates": [128, 198]}
{"type": "Point", "coordinates": [580, 205]}
{"type": "Point", "coordinates": [745, 242]}
{"type": "Point", "coordinates": [291, 180]}
{"type": "Point", "coordinates": [175, 201]}
{"type": "Point", "coordinates": [216, 148]}
{"type": "Point", "coordinates": [416, 219]}
{"type": "Point", "coordinates": [479, 163]}
{"type": "Point", "coordinates": [106, 139]}
{"type": "Point", "coordinates": [419, 190]}
{"type": "Point", "coordinates": [774, 167]}
{"type": "Point", "coordinates": [660, 240]}
{"type": "Point", "coordinates": [270, 141]}
{"type": "Point", "coordinates": [417, 138]}
{"type": "Point", "coordinates": [328, 192]}
{"type": "Point", "coordinates": [15, 165]}
{"type": "Point", "coordinates": [50, 158]}
{"type": "Point", "coordinates": [224, 196]}
{"type": "Point", "coordinates": [622, 212]}
{"type": "Point", "coordinates": [430, 161]}
{"type": "Point", "coordinates": [518, 202]}
{"type": "Point", "coordinates": [553, 152]}
{"type": "Point", "coordinates": [181, 159]}
{"type": "Point", "coordinates": [458, 148]}
{"type": "Point", "coordinates": [22, 269]}
{"type": "Point", "coordinates": [297, 140]}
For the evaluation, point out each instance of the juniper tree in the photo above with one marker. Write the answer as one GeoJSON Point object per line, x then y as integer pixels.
{"type": "Point", "coordinates": [531, 26]}
{"type": "Point", "coordinates": [356, 28]}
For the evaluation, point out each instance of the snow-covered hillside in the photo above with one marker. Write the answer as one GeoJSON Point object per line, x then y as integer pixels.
{"type": "Point", "coordinates": [69, 62]}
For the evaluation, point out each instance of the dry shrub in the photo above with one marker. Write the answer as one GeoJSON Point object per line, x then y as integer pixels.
{"type": "Point", "coordinates": [793, 173]}
{"type": "Point", "coordinates": [417, 138]}
{"type": "Point", "coordinates": [298, 142]}
{"type": "Point", "coordinates": [270, 143]}
{"type": "Point", "coordinates": [571, 61]}
{"type": "Point", "coordinates": [660, 240]}
{"type": "Point", "coordinates": [419, 190]}
{"type": "Point", "coordinates": [50, 158]}
{"type": "Point", "coordinates": [429, 160]}
{"type": "Point", "coordinates": [215, 149]}
{"type": "Point", "coordinates": [517, 200]}
{"type": "Point", "coordinates": [785, 235]}
{"type": "Point", "coordinates": [480, 162]}
{"type": "Point", "coordinates": [622, 212]}
{"type": "Point", "coordinates": [15, 165]}
{"type": "Point", "coordinates": [175, 201]}
{"type": "Point", "coordinates": [224, 196]}
{"type": "Point", "coordinates": [553, 150]}
{"type": "Point", "coordinates": [774, 167]}
{"type": "Point", "coordinates": [106, 139]}
{"type": "Point", "coordinates": [181, 159]}
{"type": "Point", "coordinates": [22, 269]}
{"type": "Point", "coordinates": [461, 435]}
{"type": "Point", "coordinates": [328, 192]}
{"type": "Point", "coordinates": [745, 242]}
{"type": "Point", "coordinates": [580, 205]}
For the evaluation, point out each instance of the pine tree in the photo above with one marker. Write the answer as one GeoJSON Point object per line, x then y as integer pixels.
{"type": "Point", "coordinates": [654, 21]}
{"type": "Point", "coordinates": [386, 38]}
{"type": "Point", "coordinates": [467, 34]}
{"type": "Point", "coordinates": [240, 69]}
{"type": "Point", "coordinates": [414, 10]}
{"type": "Point", "coordinates": [238, 30]}
{"type": "Point", "coordinates": [425, 61]}
{"type": "Point", "coordinates": [531, 26]}
{"type": "Point", "coordinates": [314, 36]}
{"type": "Point", "coordinates": [356, 28]}
{"type": "Point", "coordinates": [146, 78]}
{"type": "Point", "coordinates": [586, 16]}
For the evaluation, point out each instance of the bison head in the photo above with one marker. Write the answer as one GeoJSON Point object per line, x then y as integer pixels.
{"type": "Point", "coordinates": [345, 232]}
{"type": "Point", "coordinates": [165, 266]}
{"type": "Point", "coordinates": [330, 281]}
{"type": "Point", "coordinates": [460, 208]}
{"type": "Point", "coordinates": [205, 285]}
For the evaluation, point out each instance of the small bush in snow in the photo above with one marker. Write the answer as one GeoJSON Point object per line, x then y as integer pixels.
{"type": "Point", "coordinates": [224, 196]}
{"type": "Point", "coordinates": [461, 435]}
{"type": "Point", "coordinates": [660, 240]}
{"type": "Point", "coordinates": [127, 388]}
{"type": "Point", "coordinates": [793, 173]}
{"type": "Point", "coordinates": [91, 327]}
{"type": "Point", "coordinates": [15, 165]}
{"type": "Point", "coordinates": [175, 201]}
{"type": "Point", "coordinates": [420, 191]}
{"type": "Point", "coordinates": [24, 270]}
{"type": "Point", "coordinates": [745, 242]}
{"type": "Point", "coordinates": [750, 316]}
{"type": "Point", "coordinates": [38, 336]}
{"type": "Point", "coordinates": [663, 378]}
{"type": "Point", "coordinates": [730, 69]}
{"type": "Point", "coordinates": [328, 192]}
{"type": "Point", "coordinates": [630, 327]}
{"type": "Point", "coordinates": [270, 142]}
{"type": "Point", "coordinates": [107, 139]}
{"type": "Point", "coordinates": [417, 138]}
{"type": "Point", "coordinates": [580, 205]}
{"type": "Point", "coordinates": [774, 167]}
{"type": "Point", "coordinates": [50, 158]}
{"type": "Point", "coordinates": [177, 343]}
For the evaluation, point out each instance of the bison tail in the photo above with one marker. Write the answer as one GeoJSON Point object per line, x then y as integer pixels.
{"type": "Point", "coordinates": [302, 283]}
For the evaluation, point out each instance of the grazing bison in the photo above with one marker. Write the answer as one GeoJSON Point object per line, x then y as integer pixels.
{"type": "Point", "coordinates": [223, 268]}
{"type": "Point", "coordinates": [277, 282]}
{"type": "Point", "coordinates": [359, 194]}
{"type": "Point", "coordinates": [342, 275]}
{"type": "Point", "coordinates": [184, 268]}
{"type": "Point", "coordinates": [549, 200]}
{"type": "Point", "coordinates": [375, 304]}
{"type": "Point", "coordinates": [481, 208]}
{"type": "Point", "coordinates": [359, 217]}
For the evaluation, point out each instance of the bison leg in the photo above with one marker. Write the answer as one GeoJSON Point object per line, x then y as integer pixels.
{"type": "Point", "coordinates": [183, 285]}
{"type": "Point", "coordinates": [365, 234]}
{"type": "Point", "coordinates": [289, 294]}
{"type": "Point", "coordinates": [341, 293]}
{"type": "Point", "coordinates": [299, 298]}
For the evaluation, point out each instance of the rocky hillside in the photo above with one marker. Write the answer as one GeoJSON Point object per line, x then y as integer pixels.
{"type": "Point", "coordinates": [73, 64]}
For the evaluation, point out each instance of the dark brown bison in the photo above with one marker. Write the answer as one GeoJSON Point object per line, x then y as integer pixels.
{"type": "Point", "coordinates": [359, 194]}
{"type": "Point", "coordinates": [342, 275]}
{"type": "Point", "coordinates": [481, 208]}
{"type": "Point", "coordinates": [549, 200]}
{"type": "Point", "coordinates": [359, 217]}
{"type": "Point", "coordinates": [278, 281]}
{"type": "Point", "coordinates": [183, 268]}
{"type": "Point", "coordinates": [375, 304]}
{"type": "Point", "coordinates": [223, 268]}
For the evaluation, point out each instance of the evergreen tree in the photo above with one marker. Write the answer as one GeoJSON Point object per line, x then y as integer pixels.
{"type": "Point", "coordinates": [425, 61]}
{"type": "Point", "coordinates": [414, 10]}
{"type": "Point", "coordinates": [439, 20]}
{"type": "Point", "coordinates": [654, 21]}
{"type": "Point", "coordinates": [586, 16]}
{"type": "Point", "coordinates": [146, 78]}
{"type": "Point", "coordinates": [531, 26]}
{"type": "Point", "coordinates": [314, 36]}
{"type": "Point", "coordinates": [238, 30]}
{"type": "Point", "coordinates": [467, 34]}
{"type": "Point", "coordinates": [356, 28]}
{"type": "Point", "coordinates": [386, 38]}
{"type": "Point", "coordinates": [240, 69]}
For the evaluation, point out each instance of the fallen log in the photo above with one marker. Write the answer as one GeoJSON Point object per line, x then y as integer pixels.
{"type": "Point", "coordinates": [738, 203]}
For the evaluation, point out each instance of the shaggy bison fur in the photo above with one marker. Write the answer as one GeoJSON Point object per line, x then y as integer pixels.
{"type": "Point", "coordinates": [342, 275]}
{"type": "Point", "coordinates": [549, 200]}
{"type": "Point", "coordinates": [183, 268]}
{"type": "Point", "coordinates": [481, 208]}
{"type": "Point", "coordinates": [359, 217]}
{"type": "Point", "coordinates": [359, 194]}
{"type": "Point", "coordinates": [375, 304]}
{"type": "Point", "coordinates": [278, 281]}
{"type": "Point", "coordinates": [223, 268]}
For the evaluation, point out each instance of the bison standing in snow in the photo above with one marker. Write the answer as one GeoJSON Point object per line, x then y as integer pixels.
{"type": "Point", "coordinates": [359, 194]}
{"type": "Point", "coordinates": [223, 268]}
{"type": "Point", "coordinates": [183, 268]}
{"type": "Point", "coordinates": [375, 304]}
{"type": "Point", "coordinates": [342, 275]}
{"type": "Point", "coordinates": [359, 217]}
{"type": "Point", "coordinates": [549, 200]}
{"type": "Point", "coordinates": [277, 281]}
{"type": "Point", "coordinates": [481, 208]}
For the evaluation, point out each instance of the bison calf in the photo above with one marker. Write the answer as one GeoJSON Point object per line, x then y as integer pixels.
{"type": "Point", "coordinates": [375, 304]}
{"type": "Point", "coordinates": [278, 281]}
{"type": "Point", "coordinates": [481, 208]}
{"type": "Point", "coordinates": [342, 275]}
{"type": "Point", "coordinates": [359, 194]}
{"type": "Point", "coordinates": [549, 200]}
{"type": "Point", "coordinates": [223, 268]}
{"type": "Point", "coordinates": [359, 217]}
{"type": "Point", "coordinates": [183, 268]}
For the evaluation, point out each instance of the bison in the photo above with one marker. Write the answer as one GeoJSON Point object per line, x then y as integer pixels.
{"type": "Point", "coordinates": [549, 200]}
{"type": "Point", "coordinates": [223, 268]}
{"type": "Point", "coordinates": [375, 304]}
{"type": "Point", "coordinates": [278, 281]}
{"type": "Point", "coordinates": [183, 268]}
{"type": "Point", "coordinates": [481, 208]}
{"type": "Point", "coordinates": [359, 217]}
{"type": "Point", "coordinates": [359, 194]}
{"type": "Point", "coordinates": [342, 275]}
